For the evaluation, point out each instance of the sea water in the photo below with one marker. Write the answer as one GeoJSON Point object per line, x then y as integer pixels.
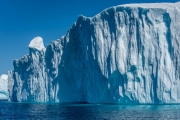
{"type": "Point", "coordinates": [43, 111]}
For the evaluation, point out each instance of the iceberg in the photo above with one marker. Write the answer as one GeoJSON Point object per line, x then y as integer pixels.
{"type": "Point", "coordinates": [127, 54]}
{"type": "Point", "coordinates": [4, 87]}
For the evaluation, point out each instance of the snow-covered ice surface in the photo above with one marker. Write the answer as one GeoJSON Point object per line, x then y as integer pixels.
{"type": "Point", "coordinates": [37, 43]}
{"type": "Point", "coordinates": [4, 86]}
{"type": "Point", "coordinates": [127, 54]}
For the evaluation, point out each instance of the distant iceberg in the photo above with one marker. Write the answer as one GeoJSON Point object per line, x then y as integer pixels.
{"type": "Point", "coordinates": [4, 87]}
{"type": "Point", "coordinates": [128, 54]}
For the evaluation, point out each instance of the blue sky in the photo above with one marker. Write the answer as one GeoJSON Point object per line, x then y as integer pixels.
{"type": "Point", "coordinates": [22, 20]}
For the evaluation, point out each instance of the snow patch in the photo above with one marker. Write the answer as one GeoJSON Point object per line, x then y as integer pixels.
{"type": "Point", "coordinates": [153, 5]}
{"type": "Point", "coordinates": [4, 77]}
{"type": "Point", "coordinates": [37, 43]}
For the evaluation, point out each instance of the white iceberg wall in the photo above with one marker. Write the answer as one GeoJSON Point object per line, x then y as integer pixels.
{"type": "Point", "coordinates": [4, 87]}
{"type": "Point", "coordinates": [29, 75]}
{"type": "Point", "coordinates": [125, 54]}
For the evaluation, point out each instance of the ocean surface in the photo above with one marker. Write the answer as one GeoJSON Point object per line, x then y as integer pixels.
{"type": "Point", "coordinates": [43, 111]}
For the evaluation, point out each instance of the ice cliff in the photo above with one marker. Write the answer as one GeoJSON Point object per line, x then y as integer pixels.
{"type": "Point", "coordinates": [4, 87]}
{"type": "Point", "coordinates": [125, 54]}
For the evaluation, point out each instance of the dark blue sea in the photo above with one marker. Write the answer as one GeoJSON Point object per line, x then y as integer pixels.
{"type": "Point", "coordinates": [37, 111]}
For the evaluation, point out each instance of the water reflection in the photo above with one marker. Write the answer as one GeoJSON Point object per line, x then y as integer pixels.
{"type": "Point", "coordinates": [87, 111]}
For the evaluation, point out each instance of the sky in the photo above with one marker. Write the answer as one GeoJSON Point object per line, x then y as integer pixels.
{"type": "Point", "coordinates": [22, 20]}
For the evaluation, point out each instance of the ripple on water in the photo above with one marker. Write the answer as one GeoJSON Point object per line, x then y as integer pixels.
{"type": "Point", "coordinates": [87, 111]}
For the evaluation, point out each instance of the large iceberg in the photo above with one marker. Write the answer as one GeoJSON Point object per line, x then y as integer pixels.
{"type": "Point", "coordinates": [4, 87]}
{"type": "Point", "coordinates": [128, 54]}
